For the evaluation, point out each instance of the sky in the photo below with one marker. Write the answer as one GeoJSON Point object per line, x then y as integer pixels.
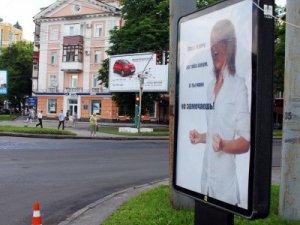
{"type": "Point", "coordinates": [23, 11]}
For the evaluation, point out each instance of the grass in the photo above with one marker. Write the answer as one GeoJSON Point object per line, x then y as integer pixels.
{"type": "Point", "coordinates": [153, 208]}
{"type": "Point", "coordinates": [7, 117]}
{"type": "Point", "coordinates": [34, 130]}
{"type": "Point", "coordinates": [277, 133]}
{"type": "Point", "coordinates": [115, 131]}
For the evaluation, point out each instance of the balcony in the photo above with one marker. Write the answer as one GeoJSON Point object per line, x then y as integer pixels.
{"type": "Point", "coordinates": [72, 54]}
{"type": "Point", "coordinates": [72, 66]}
{"type": "Point", "coordinates": [73, 90]}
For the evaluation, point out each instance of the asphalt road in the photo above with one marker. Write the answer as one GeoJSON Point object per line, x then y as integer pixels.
{"type": "Point", "coordinates": [66, 175]}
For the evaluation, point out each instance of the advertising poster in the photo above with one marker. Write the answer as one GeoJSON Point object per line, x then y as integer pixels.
{"type": "Point", "coordinates": [125, 71]}
{"type": "Point", "coordinates": [214, 104]}
{"type": "Point", "coordinates": [3, 82]}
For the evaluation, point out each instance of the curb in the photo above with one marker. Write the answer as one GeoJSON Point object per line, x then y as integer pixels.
{"type": "Point", "coordinates": [98, 211]}
{"type": "Point", "coordinates": [83, 137]}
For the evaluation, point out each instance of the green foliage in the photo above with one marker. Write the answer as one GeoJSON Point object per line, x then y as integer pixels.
{"type": "Point", "coordinates": [205, 3]}
{"type": "Point", "coordinates": [146, 29]}
{"type": "Point", "coordinates": [153, 207]}
{"type": "Point", "coordinates": [17, 60]}
{"type": "Point", "coordinates": [7, 117]}
{"type": "Point", "coordinates": [279, 51]}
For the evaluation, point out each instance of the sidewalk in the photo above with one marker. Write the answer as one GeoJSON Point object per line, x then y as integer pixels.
{"type": "Point", "coordinates": [81, 130]}
{"type": "Point", "coordinates": [97, 212]}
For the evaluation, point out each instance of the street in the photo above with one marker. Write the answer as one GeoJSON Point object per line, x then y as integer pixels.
{"type": "Point", "coordinates": [66, 175]}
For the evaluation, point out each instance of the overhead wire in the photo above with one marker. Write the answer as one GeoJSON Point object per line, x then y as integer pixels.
{"type": "Point", "coordinates": [276, 18]}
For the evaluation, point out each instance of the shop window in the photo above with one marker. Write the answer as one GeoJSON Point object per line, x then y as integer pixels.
{"type": "Point", "coordinates": [122, 111]}
{"type": "Point", "coordinates": [52, 105]}
{"type": "Point", "coordinates": [96, 107]}
{"type": "Point", "coordinates": [151, 110]}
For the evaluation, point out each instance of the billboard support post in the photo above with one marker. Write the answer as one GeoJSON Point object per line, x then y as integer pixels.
{"type": "Point", "coordinates": [208, 215]}
{"type": "Point", "coordinates": [140, 101]}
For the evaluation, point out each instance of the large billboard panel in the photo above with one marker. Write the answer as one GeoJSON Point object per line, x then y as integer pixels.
{"type": "Point", "coordinates": [125, 72]}
{"type": "Point", "coordinates": [3, 82]}
{"type": "Point", "coordinates": [215, 110]}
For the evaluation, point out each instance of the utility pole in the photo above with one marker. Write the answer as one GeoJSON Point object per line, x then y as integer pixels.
{"type": "Point", "coordinates": [178, 8]}
{"type": "Point", "coordinates": [290, 165]}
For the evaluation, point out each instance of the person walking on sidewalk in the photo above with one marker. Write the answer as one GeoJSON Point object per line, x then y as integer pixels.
{"type": "Point", "coordinates": [93, 124]}
{"type": "Point", "coordinates": [40, 118]}
{"type": "Point", "coordinates": [61, 119]}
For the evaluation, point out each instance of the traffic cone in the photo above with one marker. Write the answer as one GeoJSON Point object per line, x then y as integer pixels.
{"type": "Point", "coordinates": [36, 217]}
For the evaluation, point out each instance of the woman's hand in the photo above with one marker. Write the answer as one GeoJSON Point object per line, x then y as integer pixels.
{"type": "Point", "coordinates": [217, 143]}
{"type": "Point", "coordinates": [196, 137]}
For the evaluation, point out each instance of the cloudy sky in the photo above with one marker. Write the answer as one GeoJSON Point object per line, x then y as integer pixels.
{"type": "Point", "coordinates": [23, 11]}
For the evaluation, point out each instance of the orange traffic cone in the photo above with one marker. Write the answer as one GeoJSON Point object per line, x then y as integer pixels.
{"type": "Point", "coordinates": [36, 218]}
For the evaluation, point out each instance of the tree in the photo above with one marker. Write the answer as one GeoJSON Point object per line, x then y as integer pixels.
{"type": "Point", "coordinates": [17, 61]}
{"type": "Point", "coordinates": [279, 50]}
{"type": "Point", "coordinates": [146, 29]}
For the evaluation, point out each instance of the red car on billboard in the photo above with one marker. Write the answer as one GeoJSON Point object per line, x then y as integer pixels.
{"type": "Point", "coordinates": [124, 67]}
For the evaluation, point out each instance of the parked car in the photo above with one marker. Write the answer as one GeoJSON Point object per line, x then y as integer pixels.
{"type": "Point", "coordinates": [124, 67]}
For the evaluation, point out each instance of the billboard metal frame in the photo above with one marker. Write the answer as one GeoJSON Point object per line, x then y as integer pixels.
{"type": "Point", "coordinates": [260, 159]}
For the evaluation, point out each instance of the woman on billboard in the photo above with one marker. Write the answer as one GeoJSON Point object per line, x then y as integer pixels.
{"type": "Point", "coordinates": [228, 123]}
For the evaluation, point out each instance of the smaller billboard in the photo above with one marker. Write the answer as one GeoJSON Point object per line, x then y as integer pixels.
{"type": "Point", "coordinates": [3, 82]}
{"type": "Point", "coordinates": [32, 101]}
{"type": "Point", "coordinates": [125, 72]}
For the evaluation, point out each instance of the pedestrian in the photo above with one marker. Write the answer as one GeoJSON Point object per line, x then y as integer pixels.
{"type": "Point", "coordinates": [30, 115]}
{"type": "Point", "coordinates": [93, 124]}
{"type": "Point", "coordinates": [61, 119]}
{"type": "Point", "coordinates": [40, 118]}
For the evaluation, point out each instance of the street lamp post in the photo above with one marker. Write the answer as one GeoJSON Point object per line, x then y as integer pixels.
{"type": "Point", "coordinates": [141, 78]}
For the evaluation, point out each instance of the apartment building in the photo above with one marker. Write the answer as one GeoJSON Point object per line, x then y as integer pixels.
{"type": "Point", "coordinates": [10, 34]}
{"type": "Point", "coordinates": [71, 38]}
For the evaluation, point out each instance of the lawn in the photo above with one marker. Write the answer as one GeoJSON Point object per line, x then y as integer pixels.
{"type": "Point", "coordinates": [7, 117]}
{"type": "Point", "coordinates": [153, 208]}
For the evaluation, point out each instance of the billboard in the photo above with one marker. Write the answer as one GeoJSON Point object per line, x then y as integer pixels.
{"type": "Point", "coordinates": [3, 82]}
{"type": "Point", "coordinates": [32, 101]}
{"type": "Point", "coordinates": [125, 72]}
{"type": "Point", "coordinates": [215, 107]}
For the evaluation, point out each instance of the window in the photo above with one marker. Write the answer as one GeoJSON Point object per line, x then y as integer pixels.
{"type": "Point", "coordinates": [74, 81]}
{"type": "Point", "coordinates": [72, 53]}
{"type": "Point", "coordinates": [52, 106]}
{"type": "Point", "coordinates": [98, 30]}
{"type": "Point", "coordinates": [53, 81]}
{"type": "Point", "coordinates": [96, 107]}
{"type": "Point", "coordinates": [73, 29]}
{"type": "Point", "coordinates": [110, 25]}
{"type": "Point", "coordinates": [53, 58]}
{"type": "Point", "coordinates": [151, 110]}
{"type": "Point", "coordinates": [95, 80]}
{"type": "Point", "coordinates": [53, 33]}
{"type": "Point", "coordinates": [97, 57]}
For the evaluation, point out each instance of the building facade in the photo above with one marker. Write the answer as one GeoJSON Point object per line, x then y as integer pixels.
{"type": "Point", "coordinates": [10, 34]}
{"type": "Point", "coordinates": [71, 38]}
